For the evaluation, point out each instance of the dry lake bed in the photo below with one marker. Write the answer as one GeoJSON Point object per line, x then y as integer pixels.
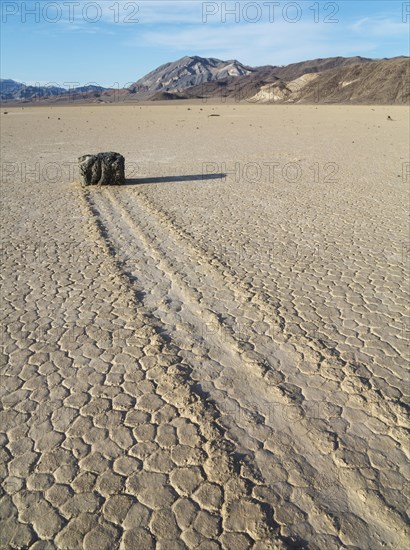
{"type": "Point", "coordinates": [215, 354]}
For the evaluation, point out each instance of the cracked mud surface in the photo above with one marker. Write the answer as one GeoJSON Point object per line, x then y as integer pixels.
{"type": "Point", "coordinates": [205, 363]}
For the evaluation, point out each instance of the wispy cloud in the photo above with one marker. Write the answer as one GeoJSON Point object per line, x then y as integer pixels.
{"type": "Point", "coordinates": [380, 27]}
{"type": "Point", "coordinates": [125, 13]}
{"type": "Point", "coordinates": [168, 12]}
{"type": "Point", "coordinates": [256, 44]}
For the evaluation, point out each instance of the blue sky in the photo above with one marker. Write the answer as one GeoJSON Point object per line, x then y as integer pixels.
{"type": "Point", "coordinates": [117, 41]}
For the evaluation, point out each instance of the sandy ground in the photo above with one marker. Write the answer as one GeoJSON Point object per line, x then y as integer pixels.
{"type": "Point", "coordinates": [214, 355]}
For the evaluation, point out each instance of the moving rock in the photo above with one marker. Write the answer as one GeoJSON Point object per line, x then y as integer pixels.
{"type": "Point", "coordinates": [102, 169]}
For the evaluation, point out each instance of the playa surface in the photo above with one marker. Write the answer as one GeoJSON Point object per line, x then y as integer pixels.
{"type": "Point", "coordinates": [213, 355]}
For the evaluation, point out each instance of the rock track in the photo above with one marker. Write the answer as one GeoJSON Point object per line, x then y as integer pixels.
{"type": "Point", "coordinates": [183, 289]}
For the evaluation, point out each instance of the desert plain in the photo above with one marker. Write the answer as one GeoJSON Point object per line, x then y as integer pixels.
{"type": "Point", "coordinates": [215, 354]}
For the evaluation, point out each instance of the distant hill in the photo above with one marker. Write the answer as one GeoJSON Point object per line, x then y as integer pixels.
{"type": "Point", "coordinates": [380, 82]}
{"type": "Point", "coordinates": [295, 70]}
{"type": "Point", "coordinates": [167, 96]}
{"type": "Point", "coordinates": [246, 86]}
{"type": "Point", "coordinates": [187, 72]}
{"type": "Point", "coordinates": [333, 80]}
{"type": "Point", "coordinates": [385, 82]}
{"type": "Point", "coordinates": [10, 90]}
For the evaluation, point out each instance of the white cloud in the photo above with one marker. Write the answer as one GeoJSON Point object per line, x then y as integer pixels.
{"type": "Point", "coordinates": [256, 44]}
{"type": "Point", "coordinates": [169, 12]}
{"type": "Point", "coordinates": [128, 12]}
{"type": "Point", "coordinates": [380, 27]}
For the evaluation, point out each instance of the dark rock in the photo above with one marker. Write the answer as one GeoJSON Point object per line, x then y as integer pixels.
{"type": "Point", "coordinates": [102, 169]}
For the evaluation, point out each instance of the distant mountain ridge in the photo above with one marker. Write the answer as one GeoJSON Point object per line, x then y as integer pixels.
{"type": "Point", "coordinates": [10, 90]}
{"type": "Point", "coordinates": [385, 81]}
{"type": "Point", "coordinates": [295, 70]}
{"type": "Point", "coordinates": [187, 72]}
{"type": "Point", "coordinates": [324, 80]}
{"type": "Point", "coordinates": [331, 80]}
{"type": "Point", "coordinates": [245, 86]}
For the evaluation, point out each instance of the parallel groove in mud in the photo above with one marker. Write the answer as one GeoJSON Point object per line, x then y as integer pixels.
{"type": "Point", "coordinates": [354, 376]}
{"type": "Point", "coordinates": [351, 379]}
{"type": "Point", "coordinates": [264, 303]}
{"type": "Point", "coordinates": [149, 239]}
{"type": "Point", "coordinates": [196, 410]}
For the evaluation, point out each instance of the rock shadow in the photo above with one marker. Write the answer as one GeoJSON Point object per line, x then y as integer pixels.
{"type": "Point", "coordinates": [174, 179]}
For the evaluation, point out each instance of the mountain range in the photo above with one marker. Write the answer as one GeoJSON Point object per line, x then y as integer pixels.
{"type": "Point", "coordinates": [328, 80]}
{"type": "Point", "coordinates": [10, 90]}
